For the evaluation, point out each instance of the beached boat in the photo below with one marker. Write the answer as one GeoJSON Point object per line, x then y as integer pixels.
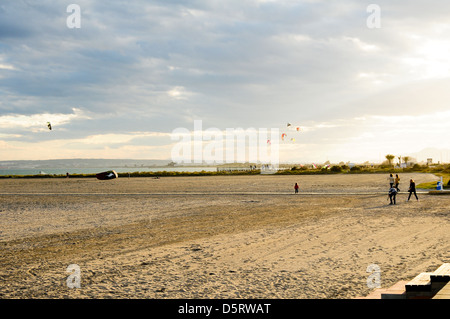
{"type": "Point", "coordinates": [107, 175]}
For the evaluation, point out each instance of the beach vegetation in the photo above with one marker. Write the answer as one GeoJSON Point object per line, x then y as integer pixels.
{"type": "Point", "coordinates": [438, 170]}
{"type": "Point", "coordinates": [389, 158]}
{"type": "Point", "coordinates": [336, 169]}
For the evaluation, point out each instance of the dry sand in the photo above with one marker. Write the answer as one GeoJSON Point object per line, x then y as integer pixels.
{"type": "Point", "coordinates": [215, 237]}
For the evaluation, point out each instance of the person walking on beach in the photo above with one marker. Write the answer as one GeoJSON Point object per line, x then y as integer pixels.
{"type": "Point", "coordinates": [397, 181]}
{"type": "Point", "coordinates": [391, 181]}
{"type": "Point", "coordinates": [296, 187]}
{"type": "Point", "coordinates": [392, 194]}
{"type": "Point", "coordinates": [412, 189]}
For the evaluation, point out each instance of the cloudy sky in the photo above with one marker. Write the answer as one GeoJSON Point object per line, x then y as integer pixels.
{"type": "Point", "coordinates": [135, 71]}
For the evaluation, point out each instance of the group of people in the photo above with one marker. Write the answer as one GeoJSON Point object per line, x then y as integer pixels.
{"type": "Point", "coordinates": [393, 189]}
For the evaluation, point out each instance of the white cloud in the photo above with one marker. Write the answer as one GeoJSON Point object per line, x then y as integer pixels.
{"type": "Point", "coordinates": [38, 122]}
{"type": "Point", "coordinates": [430, 59]}
{"type": "Point", "coordinates": [7, 67]}
{"type": "Point", "coordinates": [361, 45]}
{"type": "Point", "coordinates": [178, 93]}
{"type": "Point", "coordinates": [113, 139]}
{"type": "Point", "coordinates": [371, 137]}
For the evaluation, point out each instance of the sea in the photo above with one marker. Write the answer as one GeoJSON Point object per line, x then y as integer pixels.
{"type": "Point", "coordinates": [96, 165]}
{"type": "Point", "coordinates": [63, 171]}
{"type": "Point", "coordinates": [87, 170]}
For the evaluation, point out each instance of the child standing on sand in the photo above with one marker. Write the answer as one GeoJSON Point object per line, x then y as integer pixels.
{"type": "Point", "coordinates": [296, 187]}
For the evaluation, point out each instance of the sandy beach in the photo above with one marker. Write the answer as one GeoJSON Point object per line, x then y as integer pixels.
{"type": "Point", "coordinates": [216, 236]}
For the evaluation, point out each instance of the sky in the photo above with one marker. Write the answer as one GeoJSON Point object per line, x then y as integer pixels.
{"type": "Point", "coordinates": [119, 84]}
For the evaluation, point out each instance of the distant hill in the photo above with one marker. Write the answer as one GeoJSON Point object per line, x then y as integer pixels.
{"type": "Point", "coordinates": [83, 163]}
{"type": "Point", "coordinates": [438, 155]}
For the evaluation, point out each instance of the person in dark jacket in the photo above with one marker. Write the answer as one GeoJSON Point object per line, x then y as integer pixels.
{"type": "Point", "coordinates": [392, 195]}
{"type": "Point", "coordinates": [412, 189]}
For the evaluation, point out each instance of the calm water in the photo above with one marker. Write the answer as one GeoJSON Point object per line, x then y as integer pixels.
{"type": "Point", "coordinates": [63, 171]}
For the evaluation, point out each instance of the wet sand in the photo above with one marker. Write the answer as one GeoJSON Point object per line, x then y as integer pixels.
{"type": "Point", "coordinates": [215, 237]}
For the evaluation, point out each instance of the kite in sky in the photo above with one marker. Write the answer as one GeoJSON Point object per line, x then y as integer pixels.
{"type": "Point", "coordinates": [49, 125]}
{"type": "Point", "coordinates": [284, 136]}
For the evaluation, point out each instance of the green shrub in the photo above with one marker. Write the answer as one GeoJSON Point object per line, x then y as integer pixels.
{"type": "Point", "coordinates": [336, 169]}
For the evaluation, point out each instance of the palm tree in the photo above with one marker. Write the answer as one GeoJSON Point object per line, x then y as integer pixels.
{"type": "Point", "coordinates": [390, 157]}
{"type": "Point", "coordinates": [406, 159]}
